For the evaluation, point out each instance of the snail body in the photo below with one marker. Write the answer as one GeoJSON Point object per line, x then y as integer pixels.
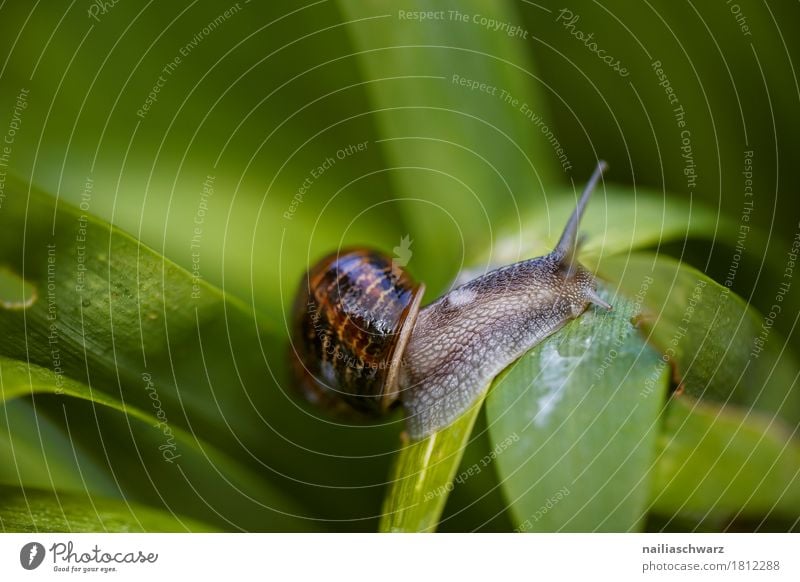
{"type": "Point", "coordinates": [363, 345]}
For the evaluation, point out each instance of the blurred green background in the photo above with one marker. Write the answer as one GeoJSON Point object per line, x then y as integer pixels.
{"type": "Point", "coordinates": [253, 97]}
{"type": "Point", "coordinates": [275, 90]}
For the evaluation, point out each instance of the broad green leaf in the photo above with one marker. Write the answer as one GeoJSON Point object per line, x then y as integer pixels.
{"type": "Point", "coordinates": [721, 348]}
{"type": "Point", "coordinates": [35, 511]}
{"type": "Point", "coordinates": [217, 479]}
{"type": "Point", "coordinates": [617, 220]}
{"type": "Point", "coordinates": [262, 102]}
{"type": "Point", "coordinates": [726, 464]}
{"type": "Point", "coordinates": [422, 477]}
{"type": "Point", "coordinates": [463, 156]}
{"type": "Point", "coordinates": [114, 315]}
{"type": "Point", "coordinates": [20, 379]}
{"type": "Point", "coordinates": [580, 410]}
{"type": "Point", "coordinates": [35, 452]}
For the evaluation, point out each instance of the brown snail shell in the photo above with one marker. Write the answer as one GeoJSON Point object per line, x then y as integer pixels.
{"type": "Point", "coordinates": [351, 322]}
{"type": "Point", "coordinates": [361, 340]}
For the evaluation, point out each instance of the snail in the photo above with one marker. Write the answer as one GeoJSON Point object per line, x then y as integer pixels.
{"type": "Point", "coordinates": [362, 345]}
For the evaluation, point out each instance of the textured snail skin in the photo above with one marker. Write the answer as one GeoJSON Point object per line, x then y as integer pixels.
{"type": "Point", "coordinates": [464, 339]}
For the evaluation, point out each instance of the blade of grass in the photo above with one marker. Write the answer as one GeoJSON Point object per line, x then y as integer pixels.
{"type": "Point", "coordinates": [422, 477]}
{"type": "Point", "coordinates": [205, 468]}
{"type": "Point", "coordinates": [35, 511]}
{"type": "Point", "coordinates": [35, 452]}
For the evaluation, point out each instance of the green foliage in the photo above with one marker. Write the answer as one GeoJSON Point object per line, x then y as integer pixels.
{"type": "Point", "coordinates": [119, 351]}
{"type": "Point", "coordinates": [586, 422]}
{"type": "Point", "coordinates": [423, 477]}
{"type": "Point", "coordinates": [406, 60]}
{"type": "Point", "coordinates": [137, 334]}
{"type": "Point", "coordinates": [713, 338]}
{"type": "Point", "coordinates": [717, 466]}
{"type": "Point", "coordinates": [43, 511]}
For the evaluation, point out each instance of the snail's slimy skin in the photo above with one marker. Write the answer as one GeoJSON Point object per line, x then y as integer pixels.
{"type": "Point", "coordinates": [458, 346]}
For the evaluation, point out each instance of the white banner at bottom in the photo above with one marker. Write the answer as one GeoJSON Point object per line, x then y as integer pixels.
{"type": "Point", "coordinates": [401, 557]}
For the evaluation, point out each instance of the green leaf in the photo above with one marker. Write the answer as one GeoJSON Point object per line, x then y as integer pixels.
{"type": "Point", "coordinates": [35, 511]}
{"type": "Point", "coordinates": [35, 452]}
{"type": "Point", "coordinates": [721, 465]}
{"type": "Point", "coordinates": [476, 502]}
{"type": "Point", "coordinates": [462, 159]}
{"type": "Point", "coordinates": [721, 348]}
{"type": "Point", "coordinates": [15, 292]}
{"type": "Point", "coordinates": [581, 412]}
{"type": "Point", "coordinates": [618, 220]}
{"type": "Point", "coordinates": [258, 121]}
{"type": "Point", "coordinates": [114, 315]}
{"type": "Point", "coordinates": [210, 471]}
{"type": "Point", "coordinates": [422, 477]}
{"type": "Point", "coordinates": [20, 379]}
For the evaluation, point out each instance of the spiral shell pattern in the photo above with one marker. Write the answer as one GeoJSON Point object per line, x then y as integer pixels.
{"type": "Point", "coordinates": [351, 321]}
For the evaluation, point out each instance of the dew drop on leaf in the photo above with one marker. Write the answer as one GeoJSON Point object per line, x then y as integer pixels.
{"type": "Point", "coordinates": [15, 292]}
